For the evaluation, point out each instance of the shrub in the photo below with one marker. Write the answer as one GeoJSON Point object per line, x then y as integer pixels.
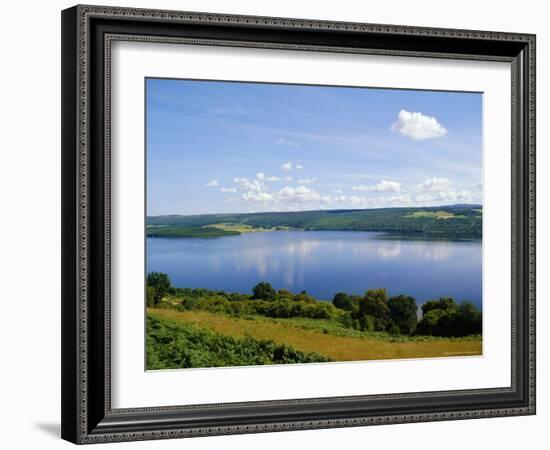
{"type": "Point", "coordinates": [426, 326]}
{"type": "Point", "coordinates": [444, 304]}
{"type": "Point", "coordinates": [151, 295]}
{"type": "Point", "coordinates": [366, 323]}
{"type": "Point", "coordinates": [263, 291]}
{"type": "Point", "coordinates": [172, 345]}
{"type": "Point", "coordinates": [160, 282]}
{"type": "Point", "coordinates": [374, 304]}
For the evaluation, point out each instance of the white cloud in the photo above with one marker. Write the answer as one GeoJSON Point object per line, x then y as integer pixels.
{"type": "Point", "coordinates": [272, 179]}
{"type": "Point", "coordinates": [260, 176]}
{"type": "Point", "coordinates": [283, 141]}
{"type": "Point", "coordinates": [337, 191]}
{"type": "Point", "coordinates": [418, 126]}
{"type": "Point", "coordinates": [453, 196]}
{"type": "Point", "coordinates": [424, 198]}
{"type": "Point", "coordinates": [299, 167]}
{"type": "Point", "coordinates": [308, 180]}
{"type": "Point", "coordinates": [299, 194]}
{"type": "Point", "coordinates": [246, 185]}
{"type": "Point", "coordinates": [445, 196]}
{"type": "Point", "coordinates": [287, 166]}
{"type": "Point", "coordinates": [289, 178]}
{"type": "Point", "coordinates": [383, 186]}
{"type": "Point", "coordinates": [399, 199]}
{"type": "Point", "coordinates": [226, 189]}
{"type": "Point", "coordinates": [212, 183]}
{"type": "Point", "coordinates": [435, 184]}
{"type": "Point", "coordinates": [257, 196]}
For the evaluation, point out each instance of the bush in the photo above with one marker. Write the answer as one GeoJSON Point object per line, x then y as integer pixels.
{"type": "Point", "coordinates": [427, 325]}
{"type": "Point", "coordinates": [263, 291]}
{"type": "Point", "coordinates": [461, 321]}
{"type": "Point", "coordinates": [374, 304]}
{"type": "Point", "coordinates": [151, 296]}
{"type": "Point", "coordinates": [444, 304]}
{"type": "Point", "coordinates": [304, 297]}
{"type": "Point", "coordinates": [366, 323]}
{"type": "Point", "coordinates": [160, 282]}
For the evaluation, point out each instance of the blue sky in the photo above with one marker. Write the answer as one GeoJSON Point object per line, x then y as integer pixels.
{"type": "Point", "coordinates": [217, 147]}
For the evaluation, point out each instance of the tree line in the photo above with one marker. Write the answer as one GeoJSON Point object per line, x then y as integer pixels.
{"type": "Point", "coordinates": [374, 311]}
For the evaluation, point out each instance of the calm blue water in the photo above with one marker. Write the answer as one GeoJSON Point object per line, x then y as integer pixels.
{"type": "Point", "coordinates": [323, 263]}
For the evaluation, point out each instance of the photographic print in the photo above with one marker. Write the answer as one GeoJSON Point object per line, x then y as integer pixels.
{"type": "Point", "coordinates": [292, 223]}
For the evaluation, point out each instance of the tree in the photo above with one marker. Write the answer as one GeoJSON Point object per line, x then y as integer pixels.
{"type": "Point", "coordinates": [427, 325]}
{"type": "Point", "coordinates": [161, 284]}
{"type": "Point", "coordinates": [343, 301]}
{"type": "Point", "coordinates": [285, 294]}
{"type": "Point", "coordinates": [444, 304]}
{"type": "Point", "coordinates": [403, 312]}
{"type": "Point", "coordinates": [304, 297]}
{"type": "Point", "coordinates": [263, 291]}
{"type": "Point", "coordinates": [375, 304]}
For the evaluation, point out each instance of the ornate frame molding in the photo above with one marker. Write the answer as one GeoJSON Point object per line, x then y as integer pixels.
{"type": "Point", "coordinates": [85, 422]}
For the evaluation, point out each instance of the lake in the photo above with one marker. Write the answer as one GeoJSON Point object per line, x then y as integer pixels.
{"type": "Point", "coordinates": [323, 263]}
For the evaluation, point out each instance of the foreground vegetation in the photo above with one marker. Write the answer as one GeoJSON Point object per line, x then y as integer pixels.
{"type": "Point", "coordinates": [455, 221]}
{"type": "Point", "coordinates": [373, 312]}
{"type": "Point", "coordinates": [204, 328]}
{"type": "Point", "coordinates": [175, 344]}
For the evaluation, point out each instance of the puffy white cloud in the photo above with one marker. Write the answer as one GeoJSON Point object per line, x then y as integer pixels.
{"type": "Point", "coordinates": [308, 180]}
{"type": "Point", "coordinates": [435, 184]}
{"type": "Point", "coordinates": [257, 196]}
{"type": "Point", "coordinates": [383, 186]}
{"type": "Point", "coordinates": [300, 194]}
{"type": "Point", "coordinates": [212, 183]}
{"type": "Point", "coordinates": [260, 176]}
{"type": "Point", "coordinates": [289, 178]}
{"type": "Point", "coordinates": [246, 185]}
{"type": "Point", "coordinates": [399, 199]}
{"type": "Point", "coordinates": [287, 166]}
{"type": "Point", "coordinates": [299, 167]}
{"type": "Point", "coordinates": [445, 196]}
{"type": "Point", "coordinates": [272, 179]}
{"type": "Point", "coordinates": [418, 126]}
{"type": "Point", "coordinates": [228, 189]}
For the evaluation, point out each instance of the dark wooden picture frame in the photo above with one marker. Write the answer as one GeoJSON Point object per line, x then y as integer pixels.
{"type": "Point", "coordinates": [87, 33]}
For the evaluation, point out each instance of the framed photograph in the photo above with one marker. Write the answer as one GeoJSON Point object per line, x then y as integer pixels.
{"type": "Point", "coordinates": [279, 224]}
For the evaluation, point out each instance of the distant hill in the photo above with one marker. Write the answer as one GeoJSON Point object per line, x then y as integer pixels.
{"type": "Point", "coordinates": [451, 221]}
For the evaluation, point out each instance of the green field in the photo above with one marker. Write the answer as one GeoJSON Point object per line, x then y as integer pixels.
{"type": "Point", "coordinates": [205, 232]}
{"type": "Point", "coordinates": [317, 345]}
{"type": "Point", "coordinates": [205, 328]}
{"type": "Point", "coordinates": [436, 214]}
{"type": "Point", "coordinates": [461, 222]}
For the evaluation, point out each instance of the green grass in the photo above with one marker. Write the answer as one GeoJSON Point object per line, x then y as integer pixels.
{"type": "Point", "coordinates": [174, 344]}
{"type": "Point", "coordinates": [178, 349]}
{"type": "Point", "coordinates": [241, 227]}
{"type": "Point", "coordinates": [436, 214]}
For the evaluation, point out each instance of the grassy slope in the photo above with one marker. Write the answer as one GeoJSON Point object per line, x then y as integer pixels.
{"type": "Point", "coordinates": [173, 344]}
{"type": "Point", "coordinates": [338, 348]}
